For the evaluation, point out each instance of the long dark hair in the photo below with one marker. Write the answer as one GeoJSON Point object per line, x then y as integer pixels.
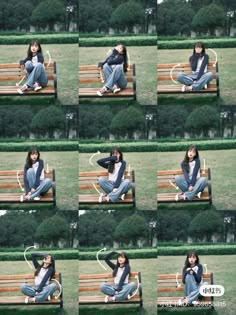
{"type": "Point", "coordinates": [186, 158]}
{"type": "Point", "coordinates": [198, 44]}
{"type": "Point", "coordinates": [28, 158]}
{"type": "Point", "coordinates": [124, 54]}
{"type": "Point", "coordinates": [52, 265]}
{"type": "Point", "coordinates": [120, 254]}
{"type": "Point", "coordinates": [29, 52]}
{"type": "Point", "coordinates": [190, 254]}
{"type": "Point", "coordinates": [111, 164]}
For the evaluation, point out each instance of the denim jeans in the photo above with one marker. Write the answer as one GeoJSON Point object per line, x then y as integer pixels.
{"type": "Point", "coordinates": [192, 288]}
{"type": "Point", "coordinates": [183, 185]}
{"type": "Point", "coordinates": [127, 289]}
{"type": "Point", "coordinates": [35, 74]}
{"type": "Point", "coordinates": [41, 296]}
{"type": "Point", "coordinates": [43, 187]}
{"type": "Point", "coordinates": [114, 76]}
{"type": "Point", "coordinates": [108, 186]}
{"type": "Point", "coordinates": [199, 85]}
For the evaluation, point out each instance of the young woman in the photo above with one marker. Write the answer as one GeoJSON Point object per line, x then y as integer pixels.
{"type": "Point", "coordinates": [116, 186]}
{"type": "Point", "coordinates": [122, 288]}
{"type": "Point", "coordinates": [200, 77]}
{"type": "Point", "coordinates": [34, 182]}
{"type": "Point", "coordinates": [44, 272]}
{"type": "Point", "coordinates": [190, 183]}
{"type": "Point", "coordinates": [36, 77]}
{"type": "Point", "coordinates": [114, 68]}
{"type": "Point", "coordinates": [192, 278]}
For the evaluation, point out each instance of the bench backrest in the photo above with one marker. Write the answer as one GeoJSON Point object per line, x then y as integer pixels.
{"type": "Point", "coordinates": [91, 74]}
{"type": "Point", "coordinates": [9, 179]}
{"type": "Point", "coordinates": [12, 72]}
{"type": "Point", "coordinates": [91, 283]}
{"type": "Point", "coordinates": [165, 177]}
{"type": "Point", "coordinates": [164, 70]}
{"type": "Point", "coordinates": [169, 283]}
{"type": "Point", "coordinates": [87, 179]}
{"type": "Point", "coordinates": [12, 283]}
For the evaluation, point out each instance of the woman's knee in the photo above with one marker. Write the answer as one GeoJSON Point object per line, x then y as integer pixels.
{"type": "Point", "coordinates": [132, 286]}
{"type": "Point", "coordinates": [23, 287]}
{"type": "Point", "coordinates": [101, 180]}
{"type": "Point", "coordinates": [102, 286]}
{"type": "Point", "coordinates": [53, 286]}
{"type": "Point", "coordinates": [210, 76]}
{"type": "Point", "coordinates": [180, 75]}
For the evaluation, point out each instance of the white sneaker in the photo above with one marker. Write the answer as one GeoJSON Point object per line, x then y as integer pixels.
{"type": "Point", "coordinates": [37, 87]}
{"type": "Point", "coordinates": [36, 198]}
{"type": "Point", "coordinates": [27, 300]}
{"type": "Point", "coordinates": [122, 197]}
{"type": "Point", "coordinates": [49, 298]}
{"type": "Point", "coordinates": [116, 89]}
{"type": "Point", "coordinates": [205, 86]}
{"type": "Point", "coordinates": [106, 299]}
{"type": "Point", "coordinates": [199, 194]}
{"type": "Point", "coordinates": [21, 198]}
{"type": "Point", "coordinates": [195, 302]}
{"type": "Point", "coordinates": [183, 88]}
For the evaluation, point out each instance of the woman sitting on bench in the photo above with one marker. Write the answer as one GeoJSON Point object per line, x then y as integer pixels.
{"type": "Point", "coordinates": [43, 290]}
{"type": "Point", "coordinates": [114, 68]}
{"type": "Point", "coordinates": [200, 77]}
{"type": "Point", "coordinates": [116, 186]}
{"type": "Point", "coordinates": [190, 183]}
{"type": "Point", "coordinates": [122, 288]}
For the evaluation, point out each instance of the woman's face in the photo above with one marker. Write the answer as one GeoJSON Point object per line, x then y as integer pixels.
{"type": "Point", "coordinates": [34, 48]}
{"type": "Point", "coordinates": [198, 49]}
{"type": "Point", "coordinates": [34, 156]}
{"type": "Point", "coordinates": [191, 154]}
{"type": "Point", "coordinates": [117, 154]}
{"type": "Point", "coordinates": [192, 259]}
{"type": "Point", "coordinates": [47, 259]}
{"type": "Point", "coordinates": [121, 260]}
{"type": "Point", "coordinates": [120, 49]}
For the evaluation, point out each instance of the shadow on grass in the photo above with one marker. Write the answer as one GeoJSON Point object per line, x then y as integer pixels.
{"type": "Point", "coordinates": [187, 206]}
{"type": "Point", "coordinates": [29, 206]}
{"type": "Point", "coordinates": [107, 101]}
{"type": "Point", "coordinates": [187, 311]}
{"type": "Point", "coordinates": [107, 207]}
{"type": "Point", "coordinates": [33, 310]}
{"type": "Point", "coordinates": [111, 309]}
{"type": "Point", "coordinates": [22, 100]}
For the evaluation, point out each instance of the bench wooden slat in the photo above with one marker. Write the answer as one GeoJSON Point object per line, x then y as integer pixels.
{"type": "Point", "coordinates": [100, 300]}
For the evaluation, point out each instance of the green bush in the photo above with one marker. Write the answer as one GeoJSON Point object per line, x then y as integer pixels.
{"type": "Point", "coordinates": [133, 254]}
{"type": "Point", "coordinates": [58, 255]}
{"type": "Point", "coordinates": [130, 147]}
{"type": "Point", "coordinates": [69, 145]}
{"type": "Point", "coordinates": [189, 43]}
{"type": "Point", "coordinates": [61, 38]}
{"type": "Point", "coordinates": [110, 41]}
{"type": "Point", "coordinates": [201, 250]}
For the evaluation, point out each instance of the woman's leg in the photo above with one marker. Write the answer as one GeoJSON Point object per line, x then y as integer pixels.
{"type": "Point", "coordinates": [199, 187]}
{"type": "Point", "coordinates": [37, 75]}
{"type": "Point", "coordinates": [107, 289]}
{"type": "Point", "coordinates": [27, 290]}
{"type": "Point", "coordinates": [44, 294]}
{"type": "Point", "coordinates": [29, 67]}
{"type": "Point", "coordinates": [117, 77]}
{"type": "Point", "coordinates": [105, 184]}
{"type": "Point", "coordinates": [43, 188]}
{"type": "Point", "coordinates": [127, 289]}
{"type": "Point", "coordinates": [107, 70]}
{"type": "Point", "coordinates": [122, 189]}
{"type": "Point", "coordinates": [191, 289]}
{"type": "Point", "coordinates": [31, 177]}
{"type": "Point", "coordinates": [184, 78]}
{"type": "Point", "coordinates": [205, 79]}
{"type": "Point", "coordinates": [181, 183]}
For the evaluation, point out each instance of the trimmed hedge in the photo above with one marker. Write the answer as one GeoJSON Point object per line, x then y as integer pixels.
{"type": "Point", "coordinates": [189, 43]}
{"type": "Point", "coordinates": [201, 250]}
{"type": "Point", "coordinates": [133, 254]}
{"type": "Point", "coordinates": [62, 38]}
{"type": "Point", "coordinates": [141, 146]}
{"type": "Point", "coordinates": [110, 41]}
{"type": "Point", "coordinates": [43, 146]}
{"type": "Point", "coordinates": [58, 255]}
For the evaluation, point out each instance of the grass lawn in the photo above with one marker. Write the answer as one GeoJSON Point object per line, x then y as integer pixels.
{"type": "Point", "coordinates": [148, 269]}
{"type": "Point", "coordinates": [223, 269]}
{"type": "Point", "coordinates": [144, 165]}
{"type": "Point", "coordinates": [66, 57]}
{"type": "Point", "coordinates": [145, 59]}
{"type": "Point", "coordinates": [66, 169]}
{"type": "Point", "coordinates": [222, 164]}
{"type": "Point", "coordinates": [69, 270]}
{"type": "Point", "coordinates": [227, 75]}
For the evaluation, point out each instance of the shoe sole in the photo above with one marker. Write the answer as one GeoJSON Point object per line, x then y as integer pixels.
{"type": "Point", "coordinates": [37, 88]}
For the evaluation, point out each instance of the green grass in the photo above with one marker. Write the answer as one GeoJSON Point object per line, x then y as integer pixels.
{"type": "Point", "coordinates": [222, 165]}
{"type": "Point", "coordinates": [227, 76]}
{"type": "Point", "coordinates": [148, 269]}
{"type": "Point", "coordinates": [223, 269]}
{"type": "Point", "coordinates": [66, 169]}
{"type": "Point", "coordinates": [144, 165]}
{"type": "Point", "coordinates": [69, 270]}
{"type": "Point", "coordinates": [66, 57]}
{"type": "Point", "coordinates": [145, 59]}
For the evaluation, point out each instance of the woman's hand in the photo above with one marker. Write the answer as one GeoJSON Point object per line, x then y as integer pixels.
{"type": "Point", "coordinates": [32, 190]}
{"type": "Point", "coordinates": [114, 189]}
{"type": "Point", "coordinates": [190, 188]}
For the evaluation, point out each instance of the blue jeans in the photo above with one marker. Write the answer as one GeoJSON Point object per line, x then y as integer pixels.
{"type": "Point", "coordinates": [41, 296]}
{"type": "Point", "coordinates": [43, 187]}
{"type": "Point", "coordinates": [35, 74]}
{"type": "Point", "coordinates": [183, 185]}
{"type": "Point", "coordinates": [199, 85]}
{"type": "Point", "coordinates": [108, 186]}
{"type": "Point", "coordinates": [114, 76]}
{"type": "Point", "coordinates": [127, 289]}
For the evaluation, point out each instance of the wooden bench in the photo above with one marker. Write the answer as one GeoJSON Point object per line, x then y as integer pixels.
{"type": "Point", "coordinates": [12, 184]}
{"type": "Point", "coordinates": [167, 86]}
{"type": "Point", "coordinates": [12, 73]}
{"type": "Point", "coordinates": [89, 195]}
{"type": "Point", "coordinates": [164, 180]}
{"type": "Point", "coordinates": [89, 289]}
{"type": "Point", "coordinates": [90, 82]}
{"type": "Point", "coordinates": [170, 289]}
{"type": "Point", "coordinates": [10, 292]}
